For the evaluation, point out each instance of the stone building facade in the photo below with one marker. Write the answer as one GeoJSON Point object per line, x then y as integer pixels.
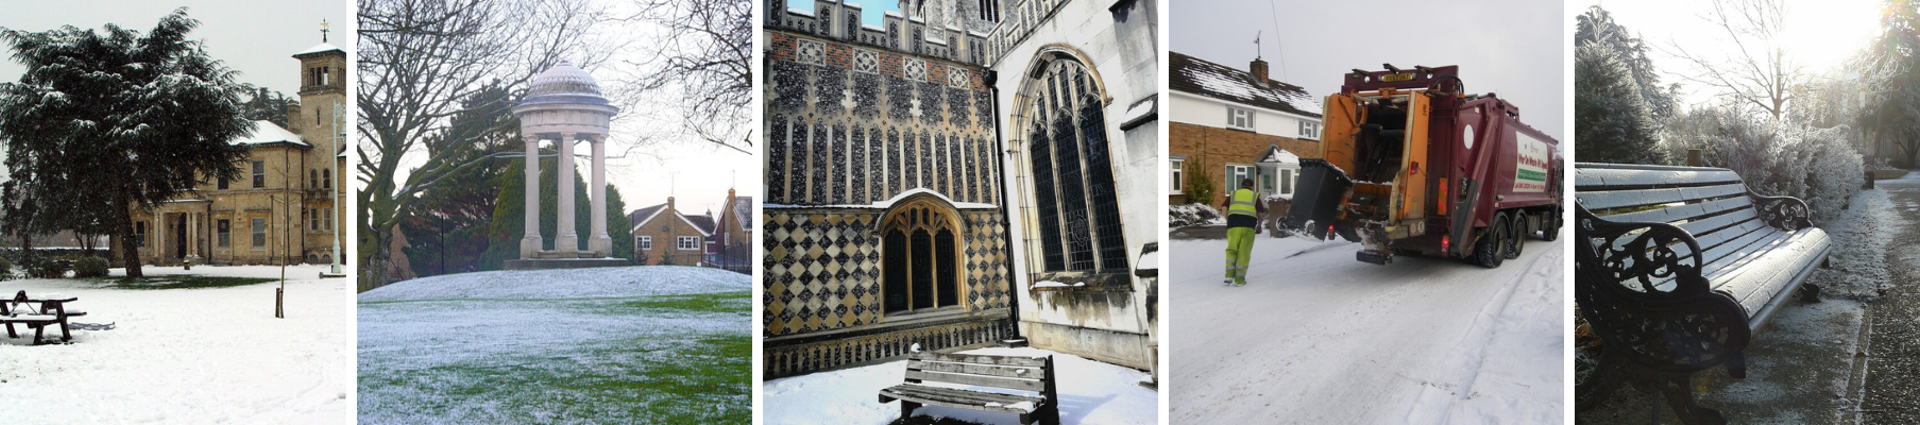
{"type": "Point", "coordinates": [281, 209]}
{"type": "Point", "coordinates": [1225, 121]}
{"type": "Point", "coordinates": [896, 216]}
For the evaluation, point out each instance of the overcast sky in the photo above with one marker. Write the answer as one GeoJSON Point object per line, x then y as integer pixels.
{"type": "Point", "coordinates": [256, 38]}
{"type": "Point", "coordinates": [1513, 48]}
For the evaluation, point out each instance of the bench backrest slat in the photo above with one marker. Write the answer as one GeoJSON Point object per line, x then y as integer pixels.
{"type": "Point", "coordinates": [1648, 176]}
{"type": "Point", "coordinates": [1017, 373]}
{"type": "Point", "coordinates": [1598, 201]}
{"type": "Point", "coordinates": [980, 380]}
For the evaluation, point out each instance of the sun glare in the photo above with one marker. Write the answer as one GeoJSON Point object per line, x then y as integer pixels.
{"type": "Point", "coordinates": [1822, 35]}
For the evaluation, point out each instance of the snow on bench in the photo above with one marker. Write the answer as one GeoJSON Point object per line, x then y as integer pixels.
{"type": "Point", "coordinates": [1677, 268]}
{"type": "Point", "coordinates": [1012, 384]}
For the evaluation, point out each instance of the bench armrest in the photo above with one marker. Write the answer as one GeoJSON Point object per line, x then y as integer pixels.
{"type": "Point", "coordinates": [1785, 212]}
{"type": "Point", "coordinates": [1649, 303]}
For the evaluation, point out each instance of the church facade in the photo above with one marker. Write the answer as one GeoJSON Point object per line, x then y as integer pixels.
{"type": "Point", "coordinates": [281, 210]}
{"type": "Point", "coordinates": [966, 173]}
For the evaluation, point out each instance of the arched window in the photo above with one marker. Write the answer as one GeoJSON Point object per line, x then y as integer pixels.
{"type": "Point", "coordinates": [1073, 191]}
{"type": "Point", "coordinates": [920, 265]}
{"type": "Point", "coordinates": [326, 178]}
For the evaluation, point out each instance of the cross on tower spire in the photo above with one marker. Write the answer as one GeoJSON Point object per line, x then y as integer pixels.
{"type": "Point", "coordinates": [323, 30]}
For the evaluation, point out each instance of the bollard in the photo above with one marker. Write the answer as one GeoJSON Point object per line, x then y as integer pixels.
{"type": "Point", "coordinates": [279, 303]}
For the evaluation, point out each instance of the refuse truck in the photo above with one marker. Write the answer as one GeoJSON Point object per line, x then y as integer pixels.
{"type": "Point", "coordinates": [1410, 164]}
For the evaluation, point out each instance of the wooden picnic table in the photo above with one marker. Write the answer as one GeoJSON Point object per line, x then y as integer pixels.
{"type": "Point", "coordinates": [41, 311]}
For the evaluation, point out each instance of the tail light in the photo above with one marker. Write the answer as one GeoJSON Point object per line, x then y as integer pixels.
{"type": "Point", "coordinates": [1444, 243]}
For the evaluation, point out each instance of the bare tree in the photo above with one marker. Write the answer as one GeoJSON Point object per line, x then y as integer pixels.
{"type": "Point", "coordinates": [418, 60]}
{"type": "Point", "coordinates": [1757, 71]}
{"type": "Point", "coordinates": [707, 48]}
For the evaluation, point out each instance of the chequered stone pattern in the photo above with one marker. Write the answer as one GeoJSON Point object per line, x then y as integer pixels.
{"type": "Point", "coordinates": [822, 267]}
{"type": "Point", "coordinates": [834, 97]}
{"type": "Point", "coordinates": [793, 359]}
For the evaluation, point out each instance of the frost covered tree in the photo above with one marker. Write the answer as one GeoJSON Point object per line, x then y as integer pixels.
{"type": "Point", "coordinates": [1892, 109]}
{"type": "Point", "coordinates": [1597, 26]}
{"type": "Point", "coordinates": [1612, 122]}
{"type": "Point", "coordinates": [130, 118]}
{"type": "Point", "coordinates": [1757, 70]}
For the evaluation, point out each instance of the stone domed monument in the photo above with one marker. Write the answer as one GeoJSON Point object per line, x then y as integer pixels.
{"type": "Point", "coordinates": [564, 105]}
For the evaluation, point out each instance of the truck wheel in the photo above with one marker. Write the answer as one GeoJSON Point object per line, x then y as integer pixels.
{"type": "Point", "coordinates": [1517, 235]}
{"type": "Point", "coordinates": [1487, 252]}
{"type": "Point", "coordinates": [1549, 227]}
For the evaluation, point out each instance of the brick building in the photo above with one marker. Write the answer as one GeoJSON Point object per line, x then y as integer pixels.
{"type": "Point", "coordinates": [662, 235]}
{"type": "Point", "coordinates": [281, 209]}
{"type": "Point", "coordinates": [962, 174]}
{"type": "Point", "coordinates": [1229, 124]}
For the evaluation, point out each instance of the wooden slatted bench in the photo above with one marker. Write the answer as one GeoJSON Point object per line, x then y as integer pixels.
{"type": "Point", "coordinates": [1011, 384]}
{"type": "Point", "coordinates": [1676, 270]}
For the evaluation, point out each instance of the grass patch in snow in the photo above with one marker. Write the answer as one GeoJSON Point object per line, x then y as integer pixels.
{"type": "Point", "coordinates": [718, 302]}
{"type": "Point", "coordinates": [180, 282]}
{"type": "Point", "coordinates": [695, 379]}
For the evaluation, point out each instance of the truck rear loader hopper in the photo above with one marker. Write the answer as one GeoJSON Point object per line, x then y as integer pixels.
{"type": "Point", "coordinates": [1409, 163]}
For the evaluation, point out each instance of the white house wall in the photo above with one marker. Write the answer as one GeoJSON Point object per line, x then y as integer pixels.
{"type": "Point", "coordinates": [1210, 112]}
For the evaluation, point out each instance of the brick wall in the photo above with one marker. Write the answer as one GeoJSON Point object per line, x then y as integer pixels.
{"type": "Point", "coordinates": [1216, 147]}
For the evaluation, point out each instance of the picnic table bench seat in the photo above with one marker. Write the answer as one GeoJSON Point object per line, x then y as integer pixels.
{"type": "Point", "coordinates": [1012, 384]}
{"type": "Point", "coordinates": [1676, 270]}
{"type": "Point", "coordinates": [51, 310]}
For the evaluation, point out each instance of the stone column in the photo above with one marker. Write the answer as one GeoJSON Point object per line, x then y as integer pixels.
{"type": "Point", "coordinates": [600, 243]}
{"type": "Point", "coordinates": [530, 243]}
{"type": "Point", "coordinates": [565, 239]}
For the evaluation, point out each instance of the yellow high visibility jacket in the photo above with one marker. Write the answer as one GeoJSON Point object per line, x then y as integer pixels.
{"type": "Point", "coordinates": [1242, 203]}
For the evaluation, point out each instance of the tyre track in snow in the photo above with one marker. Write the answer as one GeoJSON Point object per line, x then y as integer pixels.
{"type": "Point", "coordinates": [1320, 338]}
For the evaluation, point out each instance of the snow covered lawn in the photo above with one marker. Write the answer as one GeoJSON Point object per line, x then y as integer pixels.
{"type": "Point", "coordinates": [658, 344]}
{"type": "Point", "coordinates": [209, 355]}
{"type": "Point", "coordinates": [1317, 337]}
{"type": "Point", "coordinates": [1091, 392]}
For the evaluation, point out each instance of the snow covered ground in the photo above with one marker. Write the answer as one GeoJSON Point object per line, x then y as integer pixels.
{"type": "Point", "coordinates": [200, 356]}
{"type": "Point", "coordinates": [659, 344]}
{"type": "Point", "coordinates": [1091, 392]}
{"type": "Point", "coordinates": [1317, 337]}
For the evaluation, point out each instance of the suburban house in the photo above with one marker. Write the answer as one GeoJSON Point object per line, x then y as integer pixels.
{"type": "Point", "coordinates": [1230, 124]}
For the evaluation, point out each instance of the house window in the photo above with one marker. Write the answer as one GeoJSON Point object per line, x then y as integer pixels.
{"type": "Point", "coordinates": [646, 243]}
{"type": "Point", "coordinates": [689, 243]}
{"type": "Point", "coordinates": [140, 234]}
{"type": "Point", "coordinates": [1309, 130]}
{"type": "Point", "coordinates": [1266, 181]}
{"type": "Point", "coordinates": [1179, 185]}
{"type": "Point", "coordinates": [1074, 196]}
{"type": "Point", "coordinates": [329, 219]}
{"type": "Point", "coordinates": [1235, 174]}
{"type": "Point", "coordinates": [1286, 182]}
{"type": "Point", "coordinates": [920, 264]}
{"type": "Point", "coordinates": [224, 228]}
{"type": "Point", "coordinates": [1239, 118]}
{"type": "Point", "coordinates": [223, 184]}
{"type": "Point", "coordinates": [259, 233]}
{"type": "Point", "coordinates": [260, 174]}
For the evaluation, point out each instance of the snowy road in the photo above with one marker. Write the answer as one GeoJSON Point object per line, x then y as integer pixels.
{"type": "Point", "coordinates": [1317, 337]}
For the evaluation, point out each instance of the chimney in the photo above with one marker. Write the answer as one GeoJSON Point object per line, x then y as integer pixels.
{"type": "Point", "coordinates": [1259, 70]}
{"type": "Point", "coordinates": [670, 205]}
{"type": "Point", "coordinates": [293, 118]}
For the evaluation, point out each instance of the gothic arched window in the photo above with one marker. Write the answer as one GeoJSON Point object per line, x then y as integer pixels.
{"type": "Point", "coordinates": [1073, 191]}
{"type": "Point", "coordinates": [920, 263]}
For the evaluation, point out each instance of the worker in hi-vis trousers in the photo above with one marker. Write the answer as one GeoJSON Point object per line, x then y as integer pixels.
{"type": "Point", "coordinates": [1242, 216]}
